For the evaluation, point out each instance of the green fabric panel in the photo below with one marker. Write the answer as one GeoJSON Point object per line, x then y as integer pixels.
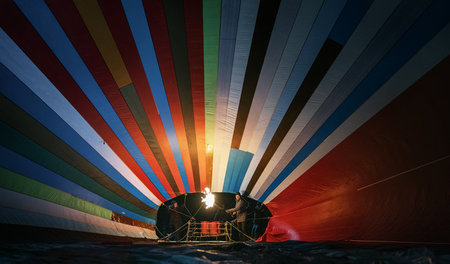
{"type": "Point", "coordinates": [18, 183]}
{"type": "Point", "coordinates": [22, 145]}
{"type": "Point", "coordinates": [211, 32]}
{"type": "Point", "coordinates": [87, 175]}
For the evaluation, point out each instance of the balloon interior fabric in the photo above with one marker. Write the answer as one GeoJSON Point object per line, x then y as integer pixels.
{"type": "Point", "coordinates": [332, 113]}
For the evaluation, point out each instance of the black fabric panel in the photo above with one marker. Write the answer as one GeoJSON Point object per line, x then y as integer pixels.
{"type": "Point", "coordinates": [174, 11]}
{"type": "Point", "coordinates": [265, 20]}
{"type": "Point", "coordinates": [328, 53]}
{"type": "Point", "coordinates": [131, 97]}
{"type": "Point", "coordinates": [18, 119]}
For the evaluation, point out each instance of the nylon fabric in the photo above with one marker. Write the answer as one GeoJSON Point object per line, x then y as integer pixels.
{"type": "Point", "coordinates": [245, 30]}
{"type": "Point", "coordinates": [211, 27]}
{"type": "Point", "coordinates": [322, 63]}
{"type": "Point", "coordinates": [19, 183]}
{"type": "Point", "coordinates": [326, 57]}
{"type": "Point", "coordinates": [23, 166]}
{"type": "Point", "coordinates": [194, 37]}
{"type": "Point", "coordinates": [11, 216]}
{"type": "Point", "coordinates": [431, 22]}
{"type": "Point", "coordinates": [230, 170]}
{"type": "Point", "coordinates": [422, 164]}
{"type": "Point", "coordinates": [364, 32]}
{"type": "Point", "coordinates": [228, 29]}
{"type": "Point", "coordinates": [160, 36]}
{"type": "Point", "coordinates": [33, 45]}
{"type": "Point", "coordinates": [16, 92]}
{"type": "Point", "coordinates": [131, 97]}
{"type": "Point", "coordinates": [69, 19]}
{"type": "Point", "coordinates": [117, 21]}
{"type": "Point", "coordinates": [211, 32]}
{"type": "Point", "coordinates": [135, 15]}
{"type": "Point", "coordinates": [435, 51]}
{"type": "Point", "coordinates": [320, 30]}
{"type": "Point", "coordinates": [177, 34]}
{"type": "Point", "coordinates": [95, 22]}
{"type": "Point", "coordinates": [236, 168]}
{"type": "Point", "coordinates": [120, 218]}
{"type": "Point", "coordinates": [287, 13]}
{"type": "Point", "coordinates": [60, 45]}
{"type": "Point", "coordinates": [267, 14]}
{"type": "Point", "coordinates": [37, 212]}
{"type": "Point", "coordinates": [97, 182]}
{"type": "Point", "coordinates": [304, 21]}
{"type": "Point", "coordinates": [391, 31]}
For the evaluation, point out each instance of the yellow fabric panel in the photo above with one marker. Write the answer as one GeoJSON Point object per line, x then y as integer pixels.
{"type": "Point", "coordinates": [98, 28]}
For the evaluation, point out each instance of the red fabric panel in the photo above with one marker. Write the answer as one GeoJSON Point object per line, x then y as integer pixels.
{"type": "Point", "coordinates": [194, 31]}
{"type": "Point", "coordinates": [120, 30]}
{"type": "Point", "coordinates": [158, 28]}
{"type": "Point", "coordinates": [70, 20]}
{"type": "Point", "coordinates": [408, 139]}
{"type": "Point", "coordinates": [22, 32]}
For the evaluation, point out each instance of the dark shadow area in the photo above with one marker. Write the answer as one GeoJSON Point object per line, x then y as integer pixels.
{"type": "Point", "coordinates": [35, 234]}
{"type": "Point", "coordinates": [191, 207]}
{"type": "Point", "coordinates": [227, 252]}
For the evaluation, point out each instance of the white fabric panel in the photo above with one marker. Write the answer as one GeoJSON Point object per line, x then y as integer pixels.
{"type": "Point", "coordinates": [22, 209]}
{"type": "Point", "coordinates": [326, 18]}
{"type": "Point", "coordinates": [246, 26]}
{"type": "Point", "coordinates": [363, 34]}
{"type": "Point", "coordinates": [428, 57]}
{"type": "Point", "coordinates": [228, 29]}
{"type": "Point", "coordinates": [280, 34]}
{"type": "Point", "coordinates": [13, 58]}
{"type": "Point", "coordinates": [305, 18]}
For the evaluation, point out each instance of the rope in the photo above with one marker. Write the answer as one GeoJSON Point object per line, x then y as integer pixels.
{"type": "Point", "coordinates": [176, 211]}
{"type": "Point", "coordinates": [184, 204]}
{"type": "Point", "coordinates": [240, 231]}
{"type": "Point", "coordinates": [170, 234]}
{"type": "Point", "coordinates": [197, 210]}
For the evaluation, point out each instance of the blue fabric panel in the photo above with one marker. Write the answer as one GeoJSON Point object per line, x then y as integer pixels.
{"type": "Point", "coordinates": [228, 31]}
{"type": "Point", "coordinates": [134, 11]}
{"type": "Point", "coordinates": [18, 93]}
{"type": "Point", "coordinates": [428, 25]}
{"type": "Point", "coordinates": [321, 28]}
{"type": "Point", "coordinates": [18, 208]}
{"type": "Point", "coordinates": [246, 158]}
{"type": "Point", "coordinates": [52, 33]}
{"type": "Point", "coordinates": [230, 168]}
{"type": "Point", "coordinates": [238, 163]}
{"type": "Point", "coordinates": [235, 170]}
{"type": "Point", "coordinates": [353, 12]}
{"type": "Point", "coordinates": [21, 165]}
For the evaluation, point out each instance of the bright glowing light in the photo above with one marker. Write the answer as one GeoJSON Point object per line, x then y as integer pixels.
{"type": "Point", "coordinates": [209, 148]}
{"type": "Point", "coordinates": [209, 198]}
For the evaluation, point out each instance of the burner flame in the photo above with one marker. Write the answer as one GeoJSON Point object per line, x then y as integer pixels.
{"type": "Point", "coordinates": [209, 198]}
